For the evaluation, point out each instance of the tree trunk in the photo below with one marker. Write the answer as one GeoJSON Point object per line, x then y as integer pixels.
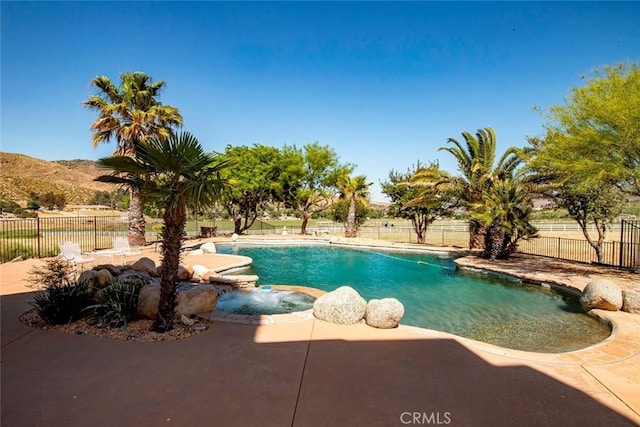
{"type": "Point", "coordinates": [172, 237]}
{"type": "Point", "coordinates": [596, 245]}
{"type": "Point", "coordinates": [305, 220]}
{"type": "Point", "coordinates": [494, 242]}
{"type": "Point", "coordinates": [237, 224]}
{"type": "Point", "coordinates": [476, 235]}
{"type": "Point", "coordinates": [350, 228]}
{"type": "Point", "coordinates": [137, 223]}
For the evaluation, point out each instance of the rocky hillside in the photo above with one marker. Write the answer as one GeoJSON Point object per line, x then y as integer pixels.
{"type": "Point", "coordinates": [20, 175]}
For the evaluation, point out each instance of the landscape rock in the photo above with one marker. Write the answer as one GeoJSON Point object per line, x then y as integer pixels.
{"type": "Point", "coordinates": [95, 279]}
{"type": "Point", "coordinates": [113, 269]}
{"type": "Point", "coordinates": [148, 300]}
{"type": "Point", "coordinates": [631, 302]}
{"type": "Point", "coordinates": [200, 271]}
{"type": "Point", "coordinates": [384, 313]}
{"type": "Point", "coordinates": [199, 299]}
{"type": "Point", "coordinates": [146, 265]}
{"type": "Point", "coordinates": [184, 273]}
{"type": "Point", "coordinates": [235, 280]}
{"type": "Point", "coordinates": [602, 294]}
{"type": "Point", "coordinates": [344, 306]}
{"type": "Point", "coordinates": [137, 279]}
{"type": "Point", "coordinates": [208, 248]}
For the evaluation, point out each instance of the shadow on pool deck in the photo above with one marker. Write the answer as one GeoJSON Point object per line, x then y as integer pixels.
{"type": "Point", "coordinates": [289, 374]}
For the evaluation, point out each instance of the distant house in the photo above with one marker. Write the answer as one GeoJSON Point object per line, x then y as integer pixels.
{"type": "Point", "coordinates": [75, 208]}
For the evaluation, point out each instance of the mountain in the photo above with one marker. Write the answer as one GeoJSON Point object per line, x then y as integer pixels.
{"type": "Point", "coordinates": [20, 175]}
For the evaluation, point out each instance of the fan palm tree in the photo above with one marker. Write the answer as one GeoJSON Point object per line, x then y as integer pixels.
{"type": "Point", "coordinates": [477, 163]}
{"type": "Point", "coordinates": [354, 189]}
{"type": "Point", "coordinates": [176, 173]}
{"type": "Point", "coordinates": [130, 114]}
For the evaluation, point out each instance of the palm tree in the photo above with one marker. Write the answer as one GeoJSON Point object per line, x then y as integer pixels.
{"type": "Point", "coordinates": [504, 213]}
{"type": "Point", "coordinates": [176, 173]}
{"type": "Point", "coordinates": [476, 162]}
{"type": "Point", "coordinates": [131, 114]}
{"type": "Point", "coordinates": [354, 189]}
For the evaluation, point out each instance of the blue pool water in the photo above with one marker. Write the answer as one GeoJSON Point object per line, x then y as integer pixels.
{"type": "Point", "coordinates": [435, 295]}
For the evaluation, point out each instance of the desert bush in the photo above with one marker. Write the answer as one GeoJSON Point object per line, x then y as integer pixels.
{"type": "Point", "coordinates": [55, 272]}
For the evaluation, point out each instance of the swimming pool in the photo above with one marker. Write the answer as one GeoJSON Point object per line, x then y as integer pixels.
{"type": "Point", "coordinates": [436, 295]}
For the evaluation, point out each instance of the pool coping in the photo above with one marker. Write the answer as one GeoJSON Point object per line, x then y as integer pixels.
{"type": "Point", "coordinates": [623, 343]}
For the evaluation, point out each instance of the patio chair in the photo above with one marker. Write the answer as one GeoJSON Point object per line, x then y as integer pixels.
{"type": "Point", "coordinates": [71, 253]}
{"type": "Point", "coordinates": [121, 247]}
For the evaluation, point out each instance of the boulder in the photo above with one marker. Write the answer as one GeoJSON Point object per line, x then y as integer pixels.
{"type": "Point", "coordinates": [199, 299]}
{"type": "Point", "coordinates": [114, 270]}
{"type": "Point", "coordinates": [208, 248]}
{"type": "Point", "coordinates": [344, 306]}
{"type": "Point", "coordinates": [631, 302]}
{"type": "Point", "coordinates": [95, 279]}
{"type": "Point", "coordinates": [602, 294]}
{"type": "Point", "coordinates": [184, 273]}
{"type": "Point", "coordinates": [148, 300]}
{"type": "Point", "coordinates": [146, 265]}
{"type": "Point", "coordinates": [200, 271]}
{"type": "Point", "coordinates": [384, 313]}
{"type": "Point", "coordinates": [136, 279]}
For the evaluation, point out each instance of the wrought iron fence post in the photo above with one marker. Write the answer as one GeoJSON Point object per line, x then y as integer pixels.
{"type": "Point", "coordinates": [38, 234]}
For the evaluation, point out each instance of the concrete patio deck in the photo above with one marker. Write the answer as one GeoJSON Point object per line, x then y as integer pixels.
{"type": "Point", "coordinates": [306, 373]}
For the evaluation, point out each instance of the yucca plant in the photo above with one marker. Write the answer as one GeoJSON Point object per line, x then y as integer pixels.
{"type": "Point", "coordinates": [61, 303]}
{"type": "Point", "coordinates": [115, 305]}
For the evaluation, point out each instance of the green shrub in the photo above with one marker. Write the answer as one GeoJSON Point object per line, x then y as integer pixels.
{"type": "Point", "coordinates": [61, 303]}
{"type": "Point", "coordinates": [115, 305]}
{"type": "Point", "coordinates": [14, 250]}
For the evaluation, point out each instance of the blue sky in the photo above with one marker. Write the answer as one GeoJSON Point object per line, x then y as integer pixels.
{"type": "Point", "coordinates": [383, 84]}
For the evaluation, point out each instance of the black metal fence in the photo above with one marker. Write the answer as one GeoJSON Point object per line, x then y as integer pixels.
{"type": "Point", "coordinates": [630, 244]}
{"type": "Point", "coordinates": [39, 237]}
{"type": "Point", "coordinates": [570, 249]}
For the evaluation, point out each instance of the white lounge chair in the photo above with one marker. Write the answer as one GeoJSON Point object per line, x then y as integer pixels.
{"type": "Point", "coordinates": [71, 253]}
{"type": "Point", "coordinates": [121, 247]}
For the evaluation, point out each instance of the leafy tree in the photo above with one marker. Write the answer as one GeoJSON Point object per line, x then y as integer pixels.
{"type": "Point", "coordinates": [131, 114]}
{"type": "Point", "coordinates": [255, 182]}
{"type": "Point", "coordinates": [417, 196]}
{"type": "Point", "coordinates": [594, 138]}
{"type": "Point", "coordinates": [308, 180]}
{"type": "Point", "coordinates": [178, 172]}
{"type": "Point", "coordinates": [597, 205]}
{"type": "Point", "coordinates": [477, 164]}
{"type": "Point", "coordinates": [34, 201]}
{"type": "Point", "coordinates": [355, 190]}
{"type": "Point", "coordinates": [102, 198]}
{"type": "Point", "coordinates": [52, 200]}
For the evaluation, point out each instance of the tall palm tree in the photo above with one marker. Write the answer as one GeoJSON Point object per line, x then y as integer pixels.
{"type": "Point", "coordinates": [354, 189]}
{"type": "Point", "coordinates": [130, 114]}
{"type": "Point", "coordinates": [176, 173]}
{"type": "Point", "coordinates": [477, 163]}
